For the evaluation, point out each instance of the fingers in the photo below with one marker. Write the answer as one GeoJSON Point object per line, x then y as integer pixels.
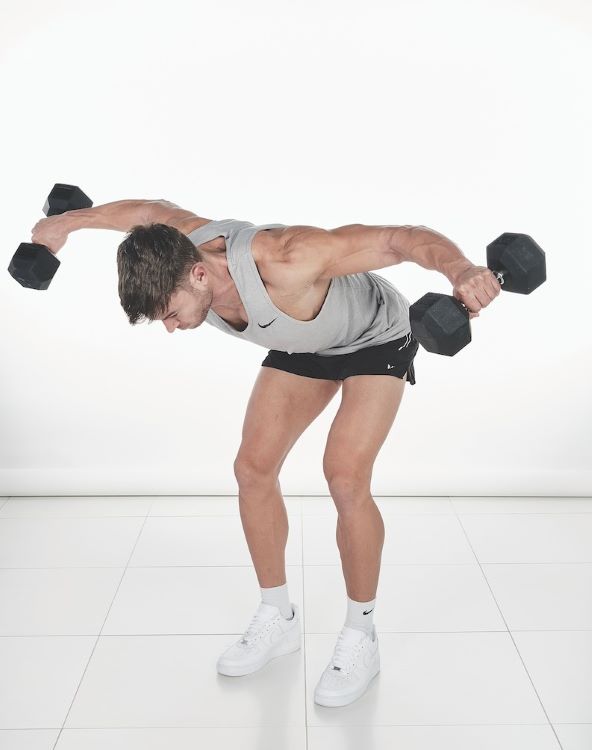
{"type": "Point", "coordinates": [479, 298]}
{"type": "Point", "coordinates": [493, 286]}
{"type": "Point", "coordinates": [478, 291]}
{"type": "Point", "coordinates": [472, 303]}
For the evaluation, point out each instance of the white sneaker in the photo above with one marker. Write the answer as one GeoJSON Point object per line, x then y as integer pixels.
{"type": "Point", "coordinates": [355, 663]}
{"type": "Point", "coordinates": [268, 635]}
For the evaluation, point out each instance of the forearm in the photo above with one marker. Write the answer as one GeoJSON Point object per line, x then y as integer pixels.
{"type": "Point", "coordinates": [119, 215]}
{"type": "Point", "coordinates": [431, 250]}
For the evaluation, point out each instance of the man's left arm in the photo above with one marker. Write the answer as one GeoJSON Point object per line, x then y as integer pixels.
{"type": "Point", "coordinates": [357, 248]}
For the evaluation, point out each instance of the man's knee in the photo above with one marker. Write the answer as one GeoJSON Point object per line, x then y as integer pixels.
{"type": "Point", "coordinates": [250, 470]}
{"type": "Point", "coordinates": [349, 485]}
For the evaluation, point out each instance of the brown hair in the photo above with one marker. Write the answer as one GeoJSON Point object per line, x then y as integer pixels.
{"type": "Point", "coordinates": [152, 262]}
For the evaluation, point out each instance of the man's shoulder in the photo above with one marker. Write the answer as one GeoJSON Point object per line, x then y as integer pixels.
{"type": "Point", "coordinates": [275, 262]}
{"type": "Point", "coordinates": [189, 224]}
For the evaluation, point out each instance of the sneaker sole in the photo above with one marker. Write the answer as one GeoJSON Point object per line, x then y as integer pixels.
{"type": "Point", "coordinates": [333, 701]}
{"type": "Point", "coordinates": [282, 649]}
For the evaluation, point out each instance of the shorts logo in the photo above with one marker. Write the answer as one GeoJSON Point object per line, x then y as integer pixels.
{"type": "Point", "coordinates": [389, 367]}
{"type": "Point", "coordinates": [407, 342]}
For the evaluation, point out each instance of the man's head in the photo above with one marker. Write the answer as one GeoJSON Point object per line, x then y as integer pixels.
{"type": "Point", "coordinates": [162, 276]}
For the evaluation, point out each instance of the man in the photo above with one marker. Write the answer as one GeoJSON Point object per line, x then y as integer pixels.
{"type": "Point", "coordinates": [309, 296]}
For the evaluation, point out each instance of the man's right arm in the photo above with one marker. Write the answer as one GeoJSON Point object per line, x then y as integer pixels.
{"type": "Point", "coordinates": [119, 215]}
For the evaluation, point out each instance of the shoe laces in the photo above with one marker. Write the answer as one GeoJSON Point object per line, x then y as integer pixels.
{"type": "Point", "coordinates": [345, 653]}
{"type": "Point", "coordinates": [258, 625]}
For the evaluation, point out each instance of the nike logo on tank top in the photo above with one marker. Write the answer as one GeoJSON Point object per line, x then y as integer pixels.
{"type": "Point", "coordinates": [359, 310]}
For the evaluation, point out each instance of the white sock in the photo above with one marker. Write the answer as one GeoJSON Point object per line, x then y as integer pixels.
{"type": "Point", "coordinates": [278, 597]}
{"type": "Point", "coordinates": [360, 615]}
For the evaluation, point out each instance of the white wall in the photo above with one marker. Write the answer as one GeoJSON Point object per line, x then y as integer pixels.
{"type": "Point", "coordinates": [472, 118]}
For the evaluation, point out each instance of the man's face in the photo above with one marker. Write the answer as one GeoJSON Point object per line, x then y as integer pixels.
{"type": "Point", "coordinates": [187, 309]}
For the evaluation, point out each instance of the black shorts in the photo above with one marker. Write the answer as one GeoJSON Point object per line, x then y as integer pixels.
{"type": "Point", "coordinates": [393, 358]}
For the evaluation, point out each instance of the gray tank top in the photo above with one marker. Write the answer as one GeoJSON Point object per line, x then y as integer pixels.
{"type": "Point", "coordinates": [360, 310]}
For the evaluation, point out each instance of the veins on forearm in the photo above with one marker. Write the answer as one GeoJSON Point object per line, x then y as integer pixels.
{"type": "Point", "coordinates": [434, 251]}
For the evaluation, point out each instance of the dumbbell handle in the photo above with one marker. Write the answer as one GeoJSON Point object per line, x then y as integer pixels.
{"type": "Point", "coordinates": [499, 275]}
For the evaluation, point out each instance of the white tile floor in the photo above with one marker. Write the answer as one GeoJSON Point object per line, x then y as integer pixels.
{"type": "Point", "coordinates": [113, 612]}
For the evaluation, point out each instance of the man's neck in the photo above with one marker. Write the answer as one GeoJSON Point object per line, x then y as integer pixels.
{"type": "Point", "coordinates": [225, 293]}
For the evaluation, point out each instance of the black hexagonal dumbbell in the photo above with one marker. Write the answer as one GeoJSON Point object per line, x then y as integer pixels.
{"type": "Point", "coordinates": [440, 322]}
{"type": "Point", "coordinates": [34, 265]}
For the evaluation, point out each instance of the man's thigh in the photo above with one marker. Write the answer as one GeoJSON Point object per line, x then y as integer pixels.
{"type": "Point", "coordinates": [369, 405]}
{"type": "Point", "coordinates": [281, 406]}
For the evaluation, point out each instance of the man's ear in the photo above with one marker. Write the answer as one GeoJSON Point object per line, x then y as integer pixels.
{"type": "Point", "coordinates": [198, 274]}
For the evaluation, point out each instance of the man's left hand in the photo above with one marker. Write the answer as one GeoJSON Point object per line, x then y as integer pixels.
{"type": "Point", "coordinates": [476, 288]}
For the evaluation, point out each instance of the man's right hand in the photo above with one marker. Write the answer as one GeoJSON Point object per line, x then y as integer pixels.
{"type": "Point", "coordinates": [51, 232]}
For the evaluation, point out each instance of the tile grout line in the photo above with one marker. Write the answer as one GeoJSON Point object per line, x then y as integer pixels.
{"type": "Point", "coordinates": [507, 627]}
{"type": "Point", "coordinates": [292, 726]}
{"type": "Point", "coordinates": [102, 626]}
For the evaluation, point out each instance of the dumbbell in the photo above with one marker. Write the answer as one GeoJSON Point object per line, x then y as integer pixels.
{"type": "Point", "coordinates": [440, 322]}
{"type": "Point", "coordinates": [34, 265]}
